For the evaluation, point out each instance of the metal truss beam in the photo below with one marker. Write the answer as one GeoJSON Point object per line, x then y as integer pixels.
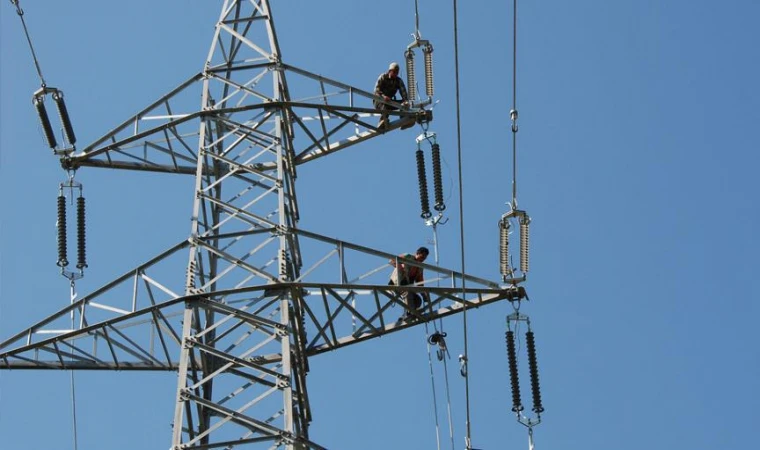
{"type": "Point", "coordinates": [134, 322]}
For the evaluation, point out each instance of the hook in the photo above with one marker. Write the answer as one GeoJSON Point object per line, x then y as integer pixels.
{"type": "Point", "coordinates": [463, 365]}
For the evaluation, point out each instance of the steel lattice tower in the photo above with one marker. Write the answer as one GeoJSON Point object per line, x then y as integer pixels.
{"type": "Point", "coordinates": [259, 296]}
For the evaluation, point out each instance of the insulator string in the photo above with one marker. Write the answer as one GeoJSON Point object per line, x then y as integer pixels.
{"type": "Point", "coordinates": [410, 75]}
{"type": "Point", "coordinates": [421, 176]}
{"type": "Point", "coordinates": [62, 259]}
{"type": "Point", "coordinates": [506, 271]}
{"type": "Point", "coordinates": [47, 129]}
{"type": "Point", "coordinates": [81, 229]}
{"type": "Point", "coordinates": [427, 52]}
{"type": "Point", "coordinates": [513, 375]}
{"type": "Point", "coordinates": [524, 244]}
{"type": "Point", "coordinates": [437, 178]}
{"type": "Point", "coordinates": [533, 366]}
{"type": "Point", "coordinates": [63, 113]}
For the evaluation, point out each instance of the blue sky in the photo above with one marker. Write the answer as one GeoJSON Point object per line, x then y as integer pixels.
{"type": "Point", "coordinates": [637, 151]}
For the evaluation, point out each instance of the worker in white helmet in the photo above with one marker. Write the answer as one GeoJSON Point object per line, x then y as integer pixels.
{"type": "Point", "coordinates": [388, 83]}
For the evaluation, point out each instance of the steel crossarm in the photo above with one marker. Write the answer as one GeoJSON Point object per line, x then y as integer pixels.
{"type": "Point", "coordinates": [335, 315]}
{"type": "Point", "coordinates": [162, 137]}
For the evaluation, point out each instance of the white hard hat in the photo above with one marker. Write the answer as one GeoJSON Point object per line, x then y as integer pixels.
{"type": "Point", "coordinates": [393, 66]}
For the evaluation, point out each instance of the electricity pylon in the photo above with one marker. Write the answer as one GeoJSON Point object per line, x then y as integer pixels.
{"type": "Point", "coordinates": [259, 296]}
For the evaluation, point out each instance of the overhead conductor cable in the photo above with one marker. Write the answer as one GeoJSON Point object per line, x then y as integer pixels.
{"type": "Point", "coordinates": [465, 357]}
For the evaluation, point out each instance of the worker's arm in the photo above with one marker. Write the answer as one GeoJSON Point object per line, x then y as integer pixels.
{"type": "Point", "coordinates": [402, 90]}
{"type": "Point", "coordinates": [378, 85]}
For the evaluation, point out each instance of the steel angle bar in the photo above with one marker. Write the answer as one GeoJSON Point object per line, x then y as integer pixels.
{"type": "Point", "coordinates": [91, 330]}
{"type": "Point", "coordinates": [157, 322]}
{"type": "Point", "coordinates": [136, 350]}
{"type": "Point", "coordinates": [316, 322]}
{"type": "Point", "coordinates": [169, 151]}
{"type": "Point", "coordinates": [316, 142]}
{"type": "Point", "coordinates": [116, 146]}
{"type": "Point", "coordinates": [392, 300]}
{"type": "Point", "coordinates": [389, 256]}
{"type": "Point", "coordinates": [235, 416]}
{"type": "Point", "coordinates": [245, 40]}
{"type": "Point", "coordinates": [323, 96]}
{"type": "Point", "coordinates": [252, 132]}
{"type": "Point", "coordinates": [79, 304]}
{"type": "Point", "coordinates": [235, 212]}
{"type": "Point", "coordinates": [244, 166]}
{"type": "Point", "coordinates": [161, 168]}
{"type": "Point", "coordinates": [224, 420]}
{"type": "Point", "coordinates": [120, 147]}
{"type": "Point", "coordinates": [151, 282]}
{"type": "Point", "coordinates": [150, 107]}
{"type": "Point", "coordinates": [244, 316]}
{"type": "Point", "coordinates": [244, 88]}
{"type": "Point", "coordinates": [370, 273]}
{"type": "Point", "coordinates": [242, 389]}
{"type": "Point", "coordinates": [345, 303]}
{"type": "Point", "coordinates": [76, 352]}
{"type": "Point", "coordinates": [108, 308]}
{"type": "Point", "coordinates": [328, 81]}
{"type": "Point", "coordinates": [232, 360]}
{"type": "Point", "coordinates": [220, 275]}
{"type": "Point", "coordinates": [317, 264]}
{"type": "Point", "coordinates": [326, 137]}
{"type": "Point", "coordinates": [328, 323]}
{"type": "Point", "coordinates": [483, 299]}
{"type": "Point", "coordinates": [231, 444]}
{"type": "Point", "coordinates": [268, 340]}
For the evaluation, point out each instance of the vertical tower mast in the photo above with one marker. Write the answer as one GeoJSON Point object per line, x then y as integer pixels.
{"type": "Point", "coordinates": [234, 143]}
